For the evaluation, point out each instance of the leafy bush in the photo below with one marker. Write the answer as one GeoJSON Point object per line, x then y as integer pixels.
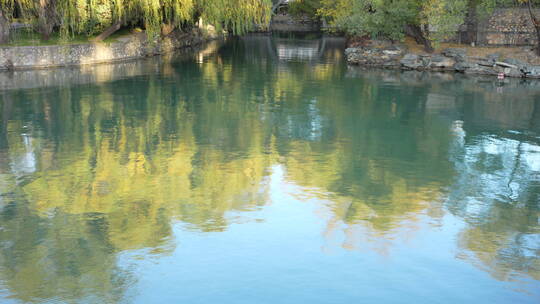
{"type": "Point", "coordinates": [305, 8]}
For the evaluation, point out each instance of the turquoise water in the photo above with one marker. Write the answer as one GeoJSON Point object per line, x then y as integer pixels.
{"type": "Point", "coordinates": [264, 170]}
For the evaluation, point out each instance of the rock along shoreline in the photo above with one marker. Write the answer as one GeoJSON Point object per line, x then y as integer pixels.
{"type": "Point", "coordinates": [392, 56]}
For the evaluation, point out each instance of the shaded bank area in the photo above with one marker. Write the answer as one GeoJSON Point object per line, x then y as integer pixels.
{"type": "Point", "coordinates": [260, 158]}
{"type": "Point", "coordinates": [131, 47]}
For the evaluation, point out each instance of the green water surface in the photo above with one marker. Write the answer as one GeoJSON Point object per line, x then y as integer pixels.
{"type": "Point", "coordinates": [264, 170]}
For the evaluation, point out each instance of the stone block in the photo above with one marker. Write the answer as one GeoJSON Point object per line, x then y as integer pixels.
{"type": "Point", "coordinates": [411, 61]}
{"type": "Point", "coordinates": [441, 62]}
{"type": "Point", "coordinates": [457, 54]}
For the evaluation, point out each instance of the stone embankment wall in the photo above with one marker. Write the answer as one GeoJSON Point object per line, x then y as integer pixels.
{"type": "Point", "coordinates": [126, 48]}
{"type": "Point", "coordinates": [103, 73]}
{"type": "Point", "coordinates": [286, 23]}
{"type": "Point", "coordinates": [507, 27]}
{"type": "Point", "coordinates": [386, 55]}
{"type": "Point", "coordinates": [504, 27]}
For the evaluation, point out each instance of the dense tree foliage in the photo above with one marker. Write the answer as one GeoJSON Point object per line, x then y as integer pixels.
{"type": "Point", "coordinates": [375, 17]}
{"type": "Point", "coordinates": [95, 16]}
{"type": "Point", "coordinates": [305, 7]}
{"type": "Point", "coordinates": [427, 21]}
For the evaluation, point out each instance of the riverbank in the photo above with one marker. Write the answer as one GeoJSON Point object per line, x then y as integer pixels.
{"type": "Point", "coordinates": [457, 59]}
{"type": "Point", "coordinates": [126, 48]}
{"type": "Point", "coordinates": [96, 74]}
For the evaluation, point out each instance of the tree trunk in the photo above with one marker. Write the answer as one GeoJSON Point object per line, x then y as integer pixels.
{"type": "Point", "coordinates": [167, 29]}
{"type": "Point", "coordinates": [419, 36]}
{"type": "Point", "coordinates": [5, 27]}
{"type": "Point", "coordinates": [471, 22]}
{"type": "Point", "coordinates": [537, 27]}
{"type": "Point", "coordinates": [46, 18]}
{"type": "Point", "coordinates": [109, 31]}
{"type": "Point", "coordinates": [536, 24]}
{"type": "Point", "coordinates": [45, 30]}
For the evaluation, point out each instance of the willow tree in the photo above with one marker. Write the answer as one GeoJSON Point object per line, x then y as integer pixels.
{"type": "Point", "coordinates": [7, 13]}
{"type": "Point", "coordinates": [237, 16]}
{"type": "Point", "coordinates": [104, 17]}
{"type": "Point", "coordinates": [40, 13]}
{"type": "Point", "coordinates": [5, 25]}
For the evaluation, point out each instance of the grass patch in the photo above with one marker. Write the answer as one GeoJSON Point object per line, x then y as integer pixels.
{"type": "Point", "coordinates": [28, 37]}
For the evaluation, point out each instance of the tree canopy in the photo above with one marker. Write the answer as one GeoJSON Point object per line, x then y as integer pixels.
{"type": "Point", "coordinates": [426, 20]}
{"type": "Point", "coordinates": [90, 17]}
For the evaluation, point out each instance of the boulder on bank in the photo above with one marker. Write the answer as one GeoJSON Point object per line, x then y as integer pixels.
{"type": "Point", "coordinates": [481, 70]}
{"type": "Point", "coordinates": [440, 62]}
{"type": "Point", "coordinates": [411, 62]}
{"type": "Point", "coordinates": [512, 72]}
{"type": "Point", "coordinates": [375, 53]}
{"type": "Point", "coordinates": [458, 54]}
{"type": "Point", "coordinates": [532, 71]}
{"type": "Point", "coordinates": [517, 63]}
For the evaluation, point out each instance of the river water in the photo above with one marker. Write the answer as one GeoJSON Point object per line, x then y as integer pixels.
{"type": "Point", "coordinates": [264, 170]}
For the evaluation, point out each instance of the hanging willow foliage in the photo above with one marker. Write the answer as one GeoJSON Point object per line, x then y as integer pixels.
{"type": "Point", "coordinates": [237, 16]}
{"type": "Point", "coordinates": [89, 17]}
